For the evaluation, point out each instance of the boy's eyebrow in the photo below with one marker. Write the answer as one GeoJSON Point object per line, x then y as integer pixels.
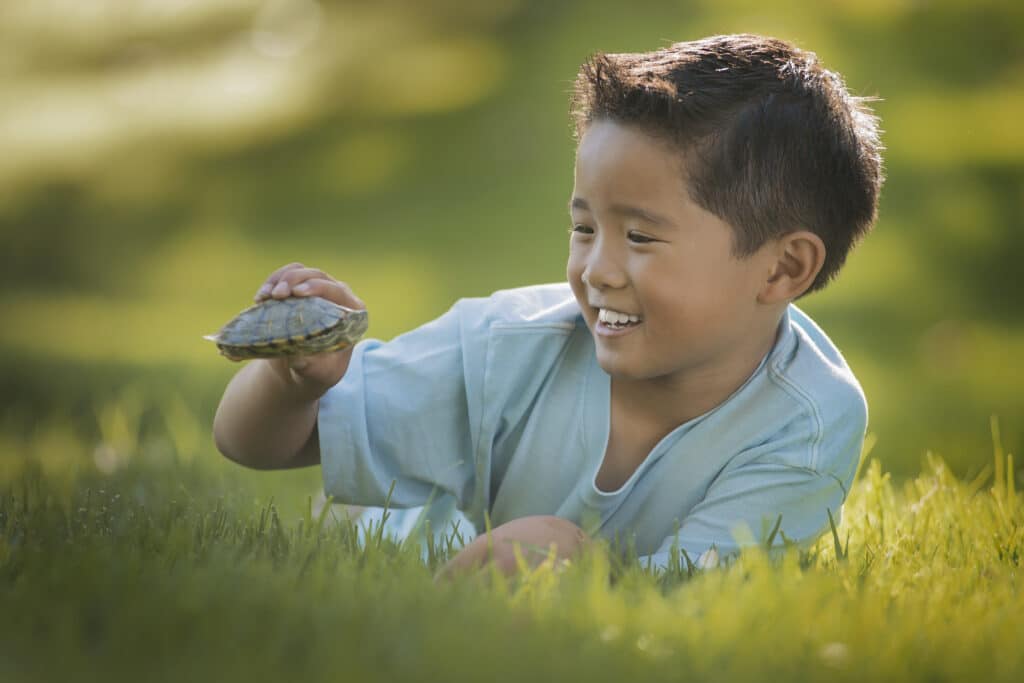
{"type": "Point", "coordinates": [622, 210]}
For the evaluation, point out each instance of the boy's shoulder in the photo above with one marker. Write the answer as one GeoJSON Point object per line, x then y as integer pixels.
{"type": "Point", "coordinates": [813, 362]}
{"type": "Point", "coordinates": [531, 308]}
{"type": "Point", "coordinates": [809, 368]}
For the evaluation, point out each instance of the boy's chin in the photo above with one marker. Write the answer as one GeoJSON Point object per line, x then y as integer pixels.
{"type": "Point", "coordinates": [618, 367]}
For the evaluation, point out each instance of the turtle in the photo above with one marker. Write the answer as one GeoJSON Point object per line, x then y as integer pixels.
{"type": "Point", "coordinates": [289, 327]}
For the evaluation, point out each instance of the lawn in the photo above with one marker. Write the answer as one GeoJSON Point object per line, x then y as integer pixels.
{"type": "Point", "coordinates": [148, 557]}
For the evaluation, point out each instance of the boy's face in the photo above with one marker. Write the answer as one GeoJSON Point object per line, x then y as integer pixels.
{"type": "Point", "coordinates": [641, 246]}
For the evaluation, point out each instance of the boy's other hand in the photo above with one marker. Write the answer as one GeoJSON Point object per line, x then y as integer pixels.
{"type": "Point", "coordinates": [534, 535]}
{"type": "Point", "coordinates": [313, 374]}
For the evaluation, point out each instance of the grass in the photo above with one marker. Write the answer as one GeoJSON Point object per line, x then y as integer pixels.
{"type": "Point", "coordinates": [147, 557]}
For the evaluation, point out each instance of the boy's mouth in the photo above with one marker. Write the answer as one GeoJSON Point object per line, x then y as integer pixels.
{"type": "Point", "coordinates": [612, 320]}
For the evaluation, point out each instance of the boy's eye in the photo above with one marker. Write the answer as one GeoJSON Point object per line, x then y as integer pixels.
{"type": "Point", "coordinates": [640, 239]}
{"type": "Point", "coordinates": [582, 229]}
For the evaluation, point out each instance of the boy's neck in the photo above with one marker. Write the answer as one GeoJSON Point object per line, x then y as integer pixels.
{"type": "Point", "coordinates": [664, 405]}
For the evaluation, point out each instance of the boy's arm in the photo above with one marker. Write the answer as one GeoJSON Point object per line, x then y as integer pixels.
{"type": "Point", "coordinates": [803, 473]}
{"type": "Point", "coordinates": [267, 418]}
{"type": "Point", "coordinates": [749, 500]}
{"type": "Point", "coordinates": [265, 422]}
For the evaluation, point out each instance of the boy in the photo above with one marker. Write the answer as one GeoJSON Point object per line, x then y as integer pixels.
{"type": "Point", "coordinates": [669, 393]}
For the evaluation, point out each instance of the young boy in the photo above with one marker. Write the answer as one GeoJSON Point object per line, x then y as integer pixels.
{"type": "Point", "coordinates": [669, 394]}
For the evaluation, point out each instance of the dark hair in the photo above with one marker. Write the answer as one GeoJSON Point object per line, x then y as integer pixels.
{"type": "Point", "coordinates": [770, 141]}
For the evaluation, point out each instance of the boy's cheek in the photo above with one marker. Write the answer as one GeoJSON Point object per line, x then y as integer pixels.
{"type": "Point", "coordinates": [579, 290]}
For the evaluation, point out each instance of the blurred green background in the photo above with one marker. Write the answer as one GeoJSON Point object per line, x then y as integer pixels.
{"type": "Point", "coordinates": [159, 158]}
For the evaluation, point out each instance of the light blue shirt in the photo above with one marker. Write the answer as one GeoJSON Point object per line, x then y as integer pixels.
{"type": "Point", "coordinates": [500, 406]}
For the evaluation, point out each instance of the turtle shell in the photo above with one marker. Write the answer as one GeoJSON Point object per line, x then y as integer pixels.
{"type": "Point", "coordinates": [293, 326]}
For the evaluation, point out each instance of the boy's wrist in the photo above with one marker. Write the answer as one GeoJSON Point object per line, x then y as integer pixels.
{"type": "Point", "coordinates": [288, 384]}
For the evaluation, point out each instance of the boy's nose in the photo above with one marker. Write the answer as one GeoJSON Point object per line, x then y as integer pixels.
{"type": "Point", "coordinates": [603, 271]}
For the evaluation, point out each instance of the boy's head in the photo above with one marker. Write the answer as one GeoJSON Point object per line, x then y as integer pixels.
{"type": "Point", "coordinates": [768, 140]}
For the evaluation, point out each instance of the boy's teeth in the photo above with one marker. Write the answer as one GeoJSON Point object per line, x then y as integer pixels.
{"type": "Point", "coordinates": [615, 317]}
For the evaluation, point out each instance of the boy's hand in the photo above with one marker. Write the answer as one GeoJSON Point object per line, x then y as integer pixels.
{"type": "Point", "coordinates": [317, 373]}
{"type": "Point", "coordinates": [534, 535]}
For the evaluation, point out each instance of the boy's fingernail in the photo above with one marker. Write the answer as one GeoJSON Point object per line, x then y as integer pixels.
{"type": "Point", "coordinates": [263, 291]}
{"type": "Point", "coordinates": [280, 287]}
{"type": "Point", "coordinates": [301, 289]}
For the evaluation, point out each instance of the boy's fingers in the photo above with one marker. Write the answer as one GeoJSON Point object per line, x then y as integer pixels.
{"type": "Point", "coordinates": [282, 289]}
{"type": "Point", "coordinates": [332, 290]}
{"type": "Point", "coordinates": [297, 280]}
{"type": "Point", "coordinates": [296, 275]}
{"type": "Point", "coordinates": [276, 275]}
{"type": "Point", "coordinates": [268, 285]}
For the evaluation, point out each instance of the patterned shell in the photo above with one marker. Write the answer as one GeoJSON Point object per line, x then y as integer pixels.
{"type": "Point", "coordinates": [277, 327]}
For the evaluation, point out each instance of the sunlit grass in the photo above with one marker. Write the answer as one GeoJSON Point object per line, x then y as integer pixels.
{"type": "Point", "coordinates": [168, 561]}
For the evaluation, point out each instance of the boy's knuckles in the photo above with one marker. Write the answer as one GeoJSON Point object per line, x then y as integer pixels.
{"type": "Point", "coordinates": [294, 277]}
{"type": "Point", "coordinates": [315, 287]}
{"type": "Point", "coordinates": [276, 275]}
{"type": "Point", "coordinates": [289, 278]}
{"type": "Point", "coordinates": [335, 291]}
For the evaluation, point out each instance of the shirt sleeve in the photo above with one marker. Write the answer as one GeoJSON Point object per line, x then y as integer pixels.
{"type": "Point", "coordinates": [742, 506]}
{"type": "Point", "coordinates": [407, 412]}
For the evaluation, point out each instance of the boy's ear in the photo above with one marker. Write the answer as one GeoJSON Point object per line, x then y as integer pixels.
{"type": "Point", "coordinates": [800, 256]}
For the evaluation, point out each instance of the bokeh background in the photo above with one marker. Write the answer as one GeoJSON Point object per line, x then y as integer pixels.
{"type": "Point", "coordinates": [158, 158]}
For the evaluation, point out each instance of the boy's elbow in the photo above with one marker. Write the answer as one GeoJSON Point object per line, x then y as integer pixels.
{"type": "Point", "coordinates": [228, 446]}
{"type": "Point", "coordinates": [235, 453]}
{"type": "Point", "coordinates": [247, 450]}
{"type": "Point", "coordinates": [223, 443]}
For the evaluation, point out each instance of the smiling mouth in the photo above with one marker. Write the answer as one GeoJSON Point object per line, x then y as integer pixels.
{"type": "Point", "coordinates": [617, 320]}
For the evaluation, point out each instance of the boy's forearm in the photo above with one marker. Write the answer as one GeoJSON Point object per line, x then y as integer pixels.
{"type": "Point", "coordinates": [263, 422]}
